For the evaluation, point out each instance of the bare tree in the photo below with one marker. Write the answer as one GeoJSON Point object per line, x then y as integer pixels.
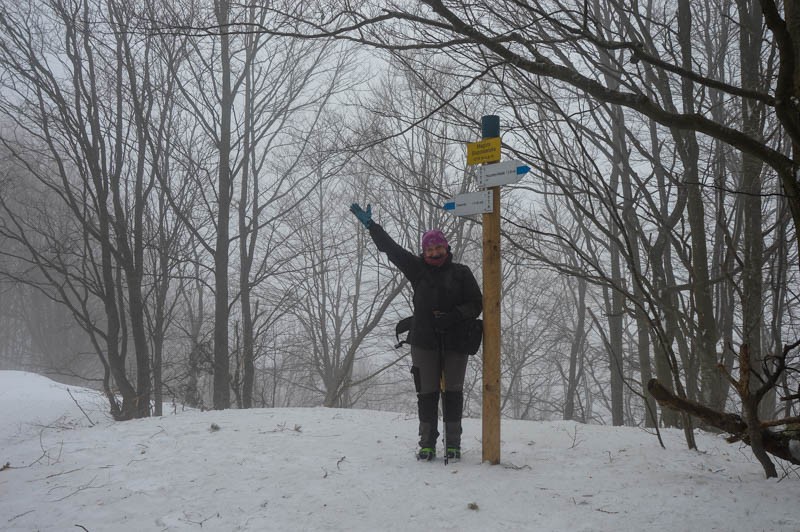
{"type": "Point", "coordinates": [64, 126]}
{"type": "Point", "coordinates": [562, 42]}
{"type": "Point", "coordinates": [264, 95]}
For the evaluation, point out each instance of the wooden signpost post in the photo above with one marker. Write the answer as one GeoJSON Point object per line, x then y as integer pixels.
{"type": "Point", "coordinates": [490, 128]}
{"type": "Point", "coordinates": [486, 202]}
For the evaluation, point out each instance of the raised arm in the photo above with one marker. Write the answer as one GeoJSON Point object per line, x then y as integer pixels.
{"type": "Point", "coordinates": [407, 262]}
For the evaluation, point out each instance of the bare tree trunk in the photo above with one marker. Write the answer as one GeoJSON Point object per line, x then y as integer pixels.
{"type": "Point", "coordinates": [198, 355]}
{"type": "Point", "coordinates": [615, 310]}
{"type": "Point", "coordinates": [779, 295]}
{"type": "Point", "coordinates": [615, 302]}
{"type": "Point", "coordinates": [627, 216]}
{"type": "Point", "coordinates": [576, 351]}
{"type": "Point", "coordinates": [245, 258]}
{"type": "Point", "coordinates": [168, 251]}
{"type": "Point", "coordinates": [248, 232]}
{"type": "Point", "coordinates": [750, 414]}
{"type": "Point", "coordinates": [750, 38]}
{"type": "Point", "coordinates": [222, 392]}
{"type": "Point", "coordinates": [131, 253]}
{"type": "Point", "coordinates": [705, 328]}
{"type": "Point", "coordinates": [161, 286]}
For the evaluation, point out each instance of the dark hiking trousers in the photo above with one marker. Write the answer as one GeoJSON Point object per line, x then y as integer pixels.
{"type": "Point", "coordinates": [427, 370]}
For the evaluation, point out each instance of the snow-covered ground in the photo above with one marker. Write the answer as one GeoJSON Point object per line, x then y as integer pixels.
{"type": "Point", "coordinates": [327, 469]}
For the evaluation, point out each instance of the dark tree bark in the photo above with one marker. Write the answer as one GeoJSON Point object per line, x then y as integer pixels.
{"type": "Point", "coordinates": [222, 389]}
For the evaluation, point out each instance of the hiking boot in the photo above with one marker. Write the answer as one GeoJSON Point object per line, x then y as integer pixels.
{"type": "Point", "coordinates": [426, 454]}
{"type": "Point", "coordinates": [453, 431]}
{"type": "Point", "coordinates": [453, 453]}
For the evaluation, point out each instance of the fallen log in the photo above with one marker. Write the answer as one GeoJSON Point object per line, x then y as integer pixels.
{"type": "Point", "coordinates": [779, 444]}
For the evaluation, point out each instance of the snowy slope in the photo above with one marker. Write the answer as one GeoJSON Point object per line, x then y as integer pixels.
{"type": "Point", "coordinates": [328, 469]}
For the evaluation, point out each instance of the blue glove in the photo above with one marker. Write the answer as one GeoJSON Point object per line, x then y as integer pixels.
{"type": "Point", "coordinates": [365, 217]}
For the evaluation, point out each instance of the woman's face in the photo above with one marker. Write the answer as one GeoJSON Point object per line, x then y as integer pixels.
{"type": "Point", "coordinates": [435, 252]}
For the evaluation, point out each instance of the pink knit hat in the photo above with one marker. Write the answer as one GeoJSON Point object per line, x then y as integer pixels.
{"type": "Point", "coordinates": [431, 238]}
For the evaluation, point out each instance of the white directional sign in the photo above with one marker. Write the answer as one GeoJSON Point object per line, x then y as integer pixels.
{"type": "Point", "coordinates": [497, 174]}
{"type": "Point", "coordinates": [471, 203]}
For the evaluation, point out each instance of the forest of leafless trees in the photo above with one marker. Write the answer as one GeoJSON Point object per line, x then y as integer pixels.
{"type": "Point", "coordinates": [175, 180]}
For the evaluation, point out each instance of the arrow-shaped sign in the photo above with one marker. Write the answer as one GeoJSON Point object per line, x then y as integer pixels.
{"type": "Point", "coordinates": [470, 203]}
{"type": "Point", "coordinates": [495, 175]}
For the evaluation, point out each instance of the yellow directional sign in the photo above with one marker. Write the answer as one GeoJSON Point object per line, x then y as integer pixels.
{"type": "Point", "coordinates": [484, 151]}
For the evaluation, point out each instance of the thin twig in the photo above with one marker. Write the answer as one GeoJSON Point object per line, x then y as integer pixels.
{"type": "Point", "coordinates": [79, 489]}
{"type": "Point", "coordinates": [20, 515]}
{"type": "Point", "coordinates": [91, 423]}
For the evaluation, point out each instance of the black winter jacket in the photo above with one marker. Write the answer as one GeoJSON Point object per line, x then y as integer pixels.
{"type": "Point", "coordinates": [445, 288]}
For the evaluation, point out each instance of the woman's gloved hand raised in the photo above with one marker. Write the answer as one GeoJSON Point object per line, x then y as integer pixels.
{"type": "Point", "coordinates": [365, 217]}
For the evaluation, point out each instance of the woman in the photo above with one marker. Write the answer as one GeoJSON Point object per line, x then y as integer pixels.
{"type": "Point", "coordinates": [446, 298]}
